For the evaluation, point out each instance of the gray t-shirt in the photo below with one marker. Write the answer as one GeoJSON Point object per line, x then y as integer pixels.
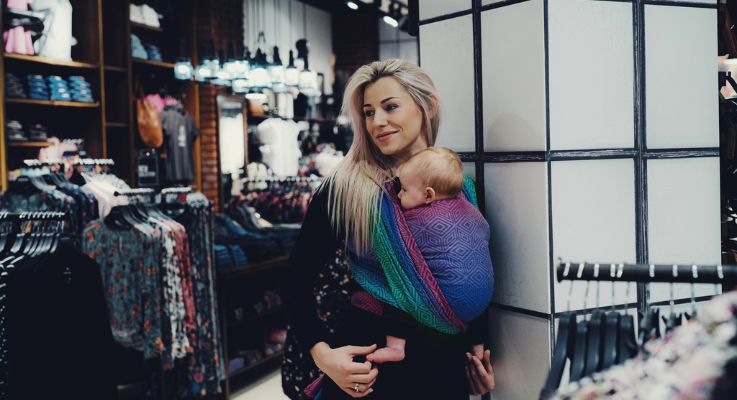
{"type": "Point", "coordinates": [180, 133]}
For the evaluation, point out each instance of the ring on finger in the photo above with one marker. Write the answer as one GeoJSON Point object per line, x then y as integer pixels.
{"type": "Point", "coordinates": [356, 388]}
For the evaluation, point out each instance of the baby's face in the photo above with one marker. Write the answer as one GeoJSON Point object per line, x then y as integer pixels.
{"type": "Point", "coordinates": [412, 194]}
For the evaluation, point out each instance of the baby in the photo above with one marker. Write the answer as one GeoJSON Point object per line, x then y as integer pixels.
{"type": "Point", "coordinates": [431, 178]}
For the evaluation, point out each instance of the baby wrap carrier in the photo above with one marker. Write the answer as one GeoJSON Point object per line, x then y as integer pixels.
{"type": "Point", "coordinates": [431, 262]}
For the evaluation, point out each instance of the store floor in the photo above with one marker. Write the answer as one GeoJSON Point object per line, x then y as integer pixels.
{"type": "Point", "coordinates": [267, 387]}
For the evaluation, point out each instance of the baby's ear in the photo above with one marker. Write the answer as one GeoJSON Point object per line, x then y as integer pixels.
{"type": "Point", "coordinates": [429, 195]}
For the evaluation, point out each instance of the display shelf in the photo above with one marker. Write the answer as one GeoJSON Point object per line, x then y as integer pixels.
{"type": "Point", "coordinates": [259, 363]}
{"type": "Point", "coordinates": [51, 103]}
{"type": "Point", "coordinates": [144, 27]}
{"type": "Point", "coordinates": [30, 144]}
{"type": "Point", "coordinates": [254, 268]}
{"type": "Point", "coordinates": [113, 68]}
{"type": "Point", "coordinates": [278, 310]}
{"type": "Point", "coordinates": [151, 63]}
{"type": "Point", "coordinates": [48, 61]}
{"type": "Point", "coordinates": [116, 124]}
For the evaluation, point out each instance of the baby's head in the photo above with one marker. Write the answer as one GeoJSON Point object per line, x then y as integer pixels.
{"type": "Point", "coordinates": [433, 174]}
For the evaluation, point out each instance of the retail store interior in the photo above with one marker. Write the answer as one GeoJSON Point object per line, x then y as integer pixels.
{"type": "Point", "coordinates": [158, 159]}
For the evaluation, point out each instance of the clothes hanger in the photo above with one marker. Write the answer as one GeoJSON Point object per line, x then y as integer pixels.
{"type": "Point", "coordinates": [673, 317]}
{"type": "Point", "coordinates": [578, 362]}
{"type": "Point", "coordinates": [594, 341]}
{"type": "Point", "coordinates": [627, 342]}
{"type": "Point", "coordinates": [563, 343]}
{"type": "Point", "coordinates": [611, 322]}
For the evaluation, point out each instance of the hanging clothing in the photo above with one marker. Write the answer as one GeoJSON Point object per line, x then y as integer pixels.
{"type": "Point", "coordinates": [58, 330]}
{"type": "Point", "coordinates": [232, 143]}
{"type": "Point", "coordinates": [57, 40]}
{"type": "Point", "coordinates": [180, 133]}
{"type": "Point", "coordinates": [17, 39]}
{"type": "Point", "coordinates": [689, 363]}
{"type": "Point", "coordinates": [280, 147]}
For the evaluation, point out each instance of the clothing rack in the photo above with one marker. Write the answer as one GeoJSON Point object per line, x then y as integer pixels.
{"type": "Point", "coordinates": [95, 162]}
{"type": "Point", "coordinates": [41, 163]}
{"type": "Point", "coordinates": [32, 216]}
{"type": "Point", "coordinates": [645, 273]}
{"type": "Point", "coordinates": [135, 192]}
{"type": "Point", "coordinates": [282, 179]}
{"type": "Point", "coordinates": [177, 190]}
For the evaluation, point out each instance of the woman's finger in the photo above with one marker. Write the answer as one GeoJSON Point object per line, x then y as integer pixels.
{"type": "Point", "coordinates": [471, 383]}
{"type": "Point", "coordinates": [489, 368]}
{"type": "Point", "coordinates": [475, 380]}
{"type": "Point", "coordinates": [358, 368]}
{"type": "Point", "coordinates": [485, 380]}
{"type": "Point", "coordinates": [364, 378]}
{"type": "Point", "coordinates": [362, 391]}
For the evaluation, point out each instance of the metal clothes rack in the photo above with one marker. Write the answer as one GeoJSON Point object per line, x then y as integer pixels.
{"type": "Point", "coordinates": [646, 273]}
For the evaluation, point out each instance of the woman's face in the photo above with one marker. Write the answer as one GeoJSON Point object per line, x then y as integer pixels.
{"type": "Point", "coordinates": [393, 119]}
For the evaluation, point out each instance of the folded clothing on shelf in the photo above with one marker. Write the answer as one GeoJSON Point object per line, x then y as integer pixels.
{"type": "Point", "coordinates": [58, 88]}
{"type": "Point", "coordinates": [38, 132]}
{"type": "Point", "coordinates": [137, 49]}
{"type": "Point", "coordinates": [229, 257]}
{"type": "Point", "coordinates": [14, 131]}
{"type": "Point", "coordinates": [80, 89]}
{"type": "Point", "coordinates": [144, 14]}
{"type": "Point", "coordinates": [37, 88]}
{"type": "Point", "coordinates": [14, 86]}
{"type": "Point", "coordinates": [153, 52]}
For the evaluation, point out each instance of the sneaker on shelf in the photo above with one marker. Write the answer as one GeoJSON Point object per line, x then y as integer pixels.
{"type": "Point", "coordinates": [149, 16]}
{"type": "Point", "coordinates": [136, 14]}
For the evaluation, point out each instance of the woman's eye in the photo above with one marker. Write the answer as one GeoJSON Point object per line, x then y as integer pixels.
{"type": "Point", "coordinates": [368, 113]}
{"type": "Point", "coordinates": [391, 107]}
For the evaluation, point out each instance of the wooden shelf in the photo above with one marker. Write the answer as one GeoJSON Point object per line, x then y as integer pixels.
{"type": "Point", "coordinates": [71, 104]}
{"type": "Point", "coordinates": [258, 317]}
{"type": "Point", "coordinates": [48, 61]}
{"type": "Point", "coordinates": [30, 144]}
{"type": "Point", "coordinates": [150, 63]}
{"type": "Point", "coordinates": [254, 268]}
{"type": "Point", "coordinates": [259, 363]}
{"type": "Point", "coordinates": [144, 27]}
{"type": "Point", "coordinates": [113, 68]}
{"type": "Point", "coordinates": [116, 124]}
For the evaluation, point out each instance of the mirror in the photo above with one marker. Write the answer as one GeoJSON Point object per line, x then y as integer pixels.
{"type": "Point", "coordinates": [232, 142]}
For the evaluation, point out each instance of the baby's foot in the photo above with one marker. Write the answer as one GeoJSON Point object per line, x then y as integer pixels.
{"type": "Point", "coordinates": [386, 354]}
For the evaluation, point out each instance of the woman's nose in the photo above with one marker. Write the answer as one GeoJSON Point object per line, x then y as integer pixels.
{"type": "Point", "coordinates": [380, 118]}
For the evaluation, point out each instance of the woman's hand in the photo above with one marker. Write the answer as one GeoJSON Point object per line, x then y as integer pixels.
{"type": "Point", "coordinates": [339, 366]}
{"type": "Point", "coordinates": [479, 373]}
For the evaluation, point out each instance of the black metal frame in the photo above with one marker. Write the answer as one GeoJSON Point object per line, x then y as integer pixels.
{"type": "Point", "coordinates": [639, 153]}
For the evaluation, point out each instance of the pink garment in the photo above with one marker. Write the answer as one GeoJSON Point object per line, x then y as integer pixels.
{"type": "Point", "coordinates": [17, 40]}
{"type": "Point", "coordinates": [156, 101]}
{"type": "Point", "coordinates": [170, 101]}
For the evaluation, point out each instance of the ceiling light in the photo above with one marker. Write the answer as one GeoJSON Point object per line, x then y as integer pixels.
{"type": "Point", "coordinates": [352, 5]}
{"type": "Point", "coordinates": [391, 21]}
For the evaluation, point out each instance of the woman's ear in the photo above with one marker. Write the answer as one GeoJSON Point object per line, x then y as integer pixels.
{"type": "Point", "coordinates": [429, 195]}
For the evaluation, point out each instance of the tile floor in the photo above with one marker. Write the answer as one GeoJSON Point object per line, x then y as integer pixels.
{"type": "Point", "coordinates": [267, 387]}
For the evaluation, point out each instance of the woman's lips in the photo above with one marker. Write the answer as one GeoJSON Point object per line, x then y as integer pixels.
{"type": "Point", "coordinates": [385, 136]}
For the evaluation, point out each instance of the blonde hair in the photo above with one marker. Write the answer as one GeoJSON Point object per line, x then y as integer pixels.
{"type": "Point", "coordinates": [439, 168]}
{"type": "Point", "coordinates": [356, 183]}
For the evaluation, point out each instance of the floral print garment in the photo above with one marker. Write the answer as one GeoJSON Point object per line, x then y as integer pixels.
{"type": "Point", "coordinates": [129, 262]}
{"type": "Point", "coordinates": [684, 365]}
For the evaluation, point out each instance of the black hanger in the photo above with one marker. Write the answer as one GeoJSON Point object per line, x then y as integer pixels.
{"type": "Point", "coordinates": [563, 351]}
{"type": "Point", "coordinates": [649, 325]}
{"type": "Point", "coordinates": [627, 342]}
{"type": "Point", "coordinates": [594, 342]}
{"type": "Point", "coordinates": [609, 349]}
{"type": "Point", "coordinates": [578, 363]}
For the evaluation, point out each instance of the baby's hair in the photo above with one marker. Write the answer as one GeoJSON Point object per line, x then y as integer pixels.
{"type": "Point", "coordinates": [440, 168]}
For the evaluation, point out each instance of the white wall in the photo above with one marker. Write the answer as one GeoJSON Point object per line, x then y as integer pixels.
{"type": "Point", "coordinates": [273, 18]}
{"type": "Point", "coordinates": [586, 208]}
{"type": "Point", "coordinates": [394, 43]}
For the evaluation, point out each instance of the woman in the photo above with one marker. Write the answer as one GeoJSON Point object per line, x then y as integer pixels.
{"type": "Point", "coordinates": [394, 110]}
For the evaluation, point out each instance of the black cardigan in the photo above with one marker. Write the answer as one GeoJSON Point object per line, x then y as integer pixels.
{"type": "Point", "coordinates": [317, 242]}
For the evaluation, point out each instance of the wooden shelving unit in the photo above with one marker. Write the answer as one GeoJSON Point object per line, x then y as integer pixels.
{"type": "Point", "coordinates": [29, 144]}
{"type": "Point", "coordinates": [103, 56]}
{"type": "Point", "coordinates": [52, 103]}
{"type": "Point", "coordinates": [48, 61]}
{"type": "Point", "coordinates": [152, 63]}
{"type": "Point", "coordinates": [144, 27]}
